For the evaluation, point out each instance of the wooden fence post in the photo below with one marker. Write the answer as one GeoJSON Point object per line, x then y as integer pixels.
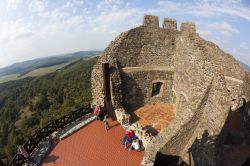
{"type": "Point", "coordinates": [72, 115]}
{"type": "Point", "coordinates": [55, 124]}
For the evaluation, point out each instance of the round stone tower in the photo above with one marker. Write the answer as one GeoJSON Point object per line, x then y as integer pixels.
{"type": "Point", "coordinates": [150, 66]}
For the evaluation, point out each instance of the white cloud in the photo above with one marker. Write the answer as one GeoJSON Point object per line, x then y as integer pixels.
{"type": "Point", "coordinates": [224, 28]}
{"type": "Point", "coordinates": [208, 8]}
{"type": "Point", "coordinates": [12, 30]}
{"type": "Point", "coordinates": [244, 45]}
{"type": "Point", "coordinates": [107, 5]}
{"type": "Point", "coordinates": [205, 32]}
{"type": "Point", "coordinates": [12, 4]}
{"type": "Point", "coordinates": [36, 6]}
{"type": "Point", "coordinates": [73, 26]}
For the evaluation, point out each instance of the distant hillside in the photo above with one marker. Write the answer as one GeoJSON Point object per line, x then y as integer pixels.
{"type": "Point", "coordinates": [244, 66]}
{"type": "Point", "coordinates": [27, 66]}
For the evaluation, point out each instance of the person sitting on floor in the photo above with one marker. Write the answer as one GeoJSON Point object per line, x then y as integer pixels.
{"type": "Point", "coordinates": [135, 145]}
{"type": "Point", "coordinates": [126, 141]}
{"type": "Point", "coordinates": [131, 134]}
{"type": "Point", "coordinates": [135, 137]}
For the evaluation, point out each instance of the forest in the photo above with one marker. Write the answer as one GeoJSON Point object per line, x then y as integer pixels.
{"type": "Point", "coordinates": [30, 103]}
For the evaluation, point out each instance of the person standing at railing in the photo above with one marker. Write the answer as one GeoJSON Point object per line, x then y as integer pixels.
{"type": "Point", "coordinates": [97, 112]}
{"type": "Point", "coordinates": [53, 139]}
{"type": "Point", "coordinates": [21, 150]}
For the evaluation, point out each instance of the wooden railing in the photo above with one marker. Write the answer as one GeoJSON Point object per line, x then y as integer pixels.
{"type": "Point", "coordinates": [40, 134]}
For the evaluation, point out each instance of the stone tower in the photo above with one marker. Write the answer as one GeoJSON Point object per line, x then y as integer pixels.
{"type": "Point", "coordinates": [151, 64]}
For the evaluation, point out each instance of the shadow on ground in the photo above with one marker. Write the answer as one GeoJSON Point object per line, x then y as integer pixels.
{"type": "Point", "coordinates": [51, 159]}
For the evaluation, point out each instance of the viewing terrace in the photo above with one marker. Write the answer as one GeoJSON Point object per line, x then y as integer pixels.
{"type": "Point", "coordinates": [93, 145]}
{"type": "Point", "coordinates": [78, 139]}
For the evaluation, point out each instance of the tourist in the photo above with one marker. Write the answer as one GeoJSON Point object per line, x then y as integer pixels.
{"type": "Point", "coordinates": [106, 123]}
{"type": "Point", "coordinates": [53, 139]}
{"type": "Point", "coordinates": [135, 145]}
{"type": "Point", "coordinates": [24, 154]}
{"type": "Point", "coordinates": [97, 112]}
{"type": "Point", "coordinates": [131, 134]}
{"type": "Point", "coordinates": [126, 141]}
{"type": "Point", "coordinates": [135, 137]}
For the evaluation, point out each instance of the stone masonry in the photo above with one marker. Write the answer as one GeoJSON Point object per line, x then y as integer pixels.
{"type": "Point", "coordinates": [202, 82]}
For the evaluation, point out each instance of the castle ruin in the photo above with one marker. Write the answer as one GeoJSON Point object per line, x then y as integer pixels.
{"type": "Point", "coordinates": [150, 65]}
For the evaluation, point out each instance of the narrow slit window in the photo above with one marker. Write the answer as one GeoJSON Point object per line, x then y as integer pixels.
{"type": "Point", "coordinates": [156, 88]}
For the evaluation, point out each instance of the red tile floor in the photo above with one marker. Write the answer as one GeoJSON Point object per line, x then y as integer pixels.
{"type": "Point", "coordinates": [154, 117]}
{"type": "Point", "coordinates": [236, 155]}
{"type": "Point", "coordinates": [94, 146]}
{"type": "Point", "coordinates": [236, 124]}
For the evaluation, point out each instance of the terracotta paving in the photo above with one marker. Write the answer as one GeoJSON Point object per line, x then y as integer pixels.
{"type": "Point", "coordinates": [236, 124]}
{"type": "Point", "coordinates": [236, 155]}
{"type": "Point", "coordinates": [94, 146]}
{"type": "Point", "coordinates": [155, 117]}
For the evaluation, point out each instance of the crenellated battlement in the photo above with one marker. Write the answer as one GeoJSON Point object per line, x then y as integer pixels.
{"type": "Point", "coordinates": [188, 28]}
{"type": "Point", "coordinates": [169, 24]}
{"type": "Point", "coordinates": [151, 21]}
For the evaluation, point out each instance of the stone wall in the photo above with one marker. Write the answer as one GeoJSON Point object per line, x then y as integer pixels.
{"type": "Point", "coordinates": [151, 21]}
{"type": "Point", "coordinates": [222, 61]}
{"type": "Point", "coordinates": [137, 88]}
{"type": "Point", "coordinates": [246, 86]}
{"type": "Point", "coordinates": [201, 80]}
{"type": "Point", "coordinates": [201, 89]}
{"type": "Point", "coordinates": [188, 28]}
{"type": "Point", "coordinates": [97, 75]}
{"type": "Point", "coordinates": [169, 24]}
{"type": "Point", "coordinates": [145, 46]}
{"type": "Point", "coordinates": [140, 46]}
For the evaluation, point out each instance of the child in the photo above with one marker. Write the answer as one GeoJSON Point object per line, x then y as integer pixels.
{"type": "Point", "coordinates": [106, 123]}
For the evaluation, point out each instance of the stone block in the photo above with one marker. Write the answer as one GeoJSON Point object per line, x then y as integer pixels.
{"type": "Point", "coordinates": [169, 24]}
{"type": "Point", "coordinates": [188, 28]}
{"type": "Point", "coordinates": [151, 21]}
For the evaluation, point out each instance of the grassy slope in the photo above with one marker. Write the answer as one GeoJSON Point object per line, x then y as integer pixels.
{"type": "Point", "coordinates": [7, 78]}
{"type": "Point", "coordinates": [34, 73]}
{"type": "Point", "coordinates": [30, 65]}
{"type": "Point", "coordinates": [44, 71]}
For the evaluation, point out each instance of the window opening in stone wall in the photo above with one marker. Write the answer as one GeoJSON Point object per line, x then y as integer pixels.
{"type": "Point", "coordinates": [156, 88]}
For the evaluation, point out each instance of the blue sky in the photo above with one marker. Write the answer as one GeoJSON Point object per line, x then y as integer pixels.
{"type": "Point", "coordinates": [36, 28]}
